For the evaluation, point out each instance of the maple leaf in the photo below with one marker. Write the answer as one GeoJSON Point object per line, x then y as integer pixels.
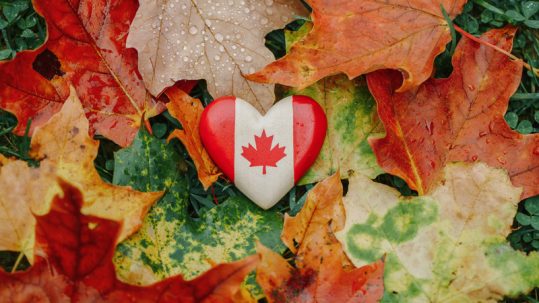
{"type": "Point", "coordinates": [352, 118]}
{"type": "Point", "coordinates": [322, 272]}
{"type": "Point", "coordinates": [188, 111]}
{"type": "Point", "coordinates": [66, 151]}
{"type": "Point", "coordinates": [217, 41]}
{"type": "Point", "coordinates": [85, 48]}
{"type": "Point", "coordinates": [73, 264]}
{"type": "Point", "coordinates": [170, 241]}
{"type": "Point", "coordinates": [460, 118]}
{"type": "Point", "coordinates": [263, 155]}
{"type": "Point", "coordinates": [357, 37]}
{"type": "Point", "coordinates": [448, 246]}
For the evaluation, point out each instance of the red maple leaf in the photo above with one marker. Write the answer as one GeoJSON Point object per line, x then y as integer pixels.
{"type": "Point", "coordinates": [263, 155]}
{"type": "Point", "coordinates": [74, 264]}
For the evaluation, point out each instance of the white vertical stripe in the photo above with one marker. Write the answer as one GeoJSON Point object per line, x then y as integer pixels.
{"type": "Point", "coordinates": [264, 190]}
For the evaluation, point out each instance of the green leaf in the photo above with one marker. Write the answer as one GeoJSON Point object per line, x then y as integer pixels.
{"type": "Point", "coordinates": [527, 238]}
{"type": "Point", "coordinates": [535, 244]}
{"type": "Point", "coordinates": [445, 246]}
{"type": "Point", "coordinates": [10, 12]}
{"type": "Point", "coordinates": [159, 129]}
{"type": "Point", "coordinates": [530, 8]}
{"type": "Point", "coordinates": [523, 219]}
{"type": "Point", "coordinates": [525, 127]}
{"type": "Point", "coordinates": [6, 54]}
{"type": "Point", "coordinates": [28, 33]}
{"type": "Point", "coordinates": [170, 241]}
{"type": "Point", "coordinates": [512, 119]}
{"type": "Point", "coordinates": [536, 116]}
{"type": "Point", "coordinates": [532, 24]}
{"type": "Point", "coordinates": [514, 15]}
{"type": "Point", "coordinates": [3, 23]}
{"type": "Point", "coordinates": [532, 205]}
{"type": "Point", "coordinates": [534, 222]}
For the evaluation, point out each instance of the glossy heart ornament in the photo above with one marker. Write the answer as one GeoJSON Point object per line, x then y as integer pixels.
{"type": "Point", "coordinates": [263, 155]}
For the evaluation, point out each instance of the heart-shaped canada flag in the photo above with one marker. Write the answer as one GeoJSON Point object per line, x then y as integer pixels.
{"type": "Point", "coordinates": [263, 155]}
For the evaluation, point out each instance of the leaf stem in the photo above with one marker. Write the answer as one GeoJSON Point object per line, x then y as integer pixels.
{"type": "Point", "coordinates": [489, 6]}
{"type": "Point", "coordinates": [498, 49]}
{"type": "Point", "coordinates": [17, 262]}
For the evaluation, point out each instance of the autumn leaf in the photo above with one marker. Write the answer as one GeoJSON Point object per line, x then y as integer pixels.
{"type": "Point", "coordinates": [358, 37]}
{"type": "Point", "coordinates": [218, 42]}
{"type": "Point", "coordinates": [170, 241]}
{"type": "Point", "coordinates": [460, 118]}
{"type": "Point", "coordinates": [448, 246]}
{"type": "Point", "coordinates": [66, 151]}
{"type": "Point", "coordinates": [323, 273]}
{"type": "Point", "coordinates": [351, 113]}
{"type": "Point", "coordinates": [73, 264]}
{"type": "Point", "coordinates": [85, 48]}
{"type": "Point", "coordinates": [188, 111]}
{"type": "Point", "coordinates": [263, 154]}
{"type": "Point", "coordinates": [352, 118]}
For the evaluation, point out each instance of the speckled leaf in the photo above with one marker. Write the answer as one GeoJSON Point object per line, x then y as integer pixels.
{"type": "Point", "coordinates": [170, 241]}
{"type": "Point", "coordinates": [214, 40]}
{"type": "Point", "coordinates": [352, 118]}
{"type": "Point", "coordinates": [449, 246]}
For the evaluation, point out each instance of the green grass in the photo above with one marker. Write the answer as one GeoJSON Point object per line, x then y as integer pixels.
{"type": "Point", "coordinates": [22, 29]}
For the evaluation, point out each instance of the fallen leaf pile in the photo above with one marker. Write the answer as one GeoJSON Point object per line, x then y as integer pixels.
{"type": "Point", "coordinates": [168, 227]}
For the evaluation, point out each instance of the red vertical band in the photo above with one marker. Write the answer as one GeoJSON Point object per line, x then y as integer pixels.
{"type": "Point", "coordinates": [310, 126]}
{"type": "Point", "coordinates": [217, 133]}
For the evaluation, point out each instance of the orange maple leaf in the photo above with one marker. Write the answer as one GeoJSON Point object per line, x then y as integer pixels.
{"type": "Point", "coordinates": [358, 37]}
{"type": "Point", "coordinates": [322, 272]}
{"type": "Point", "coordinates": [460, 118]}
{"type": "Point", "coordinates": [263, 155]}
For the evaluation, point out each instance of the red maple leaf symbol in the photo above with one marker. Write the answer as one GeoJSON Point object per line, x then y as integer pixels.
{"type": "Point", "coordinates": [263, 155]}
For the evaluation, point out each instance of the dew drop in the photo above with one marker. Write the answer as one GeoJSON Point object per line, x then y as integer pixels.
{"type": "Point", "coordinates": [221, 48]}
{"type": "Point", "coordinates": [193, 30]}
{"type": "Point", "coordinates": [217, 57]}
{"type": "Point", "coordinates": [264, 21]}
{"type": "Point", "coordinates": [185, 59]}
{"type": "Point", "coordinates": [248, 59]}
{"type": "Point", "coordinates": [251, 70]}
{"type": "Point", "coordinates": [219, 37]}
{"type": "Point", "coordinates": [474, 158]}
{"type": "Point", "coordinates": [268, 2]}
